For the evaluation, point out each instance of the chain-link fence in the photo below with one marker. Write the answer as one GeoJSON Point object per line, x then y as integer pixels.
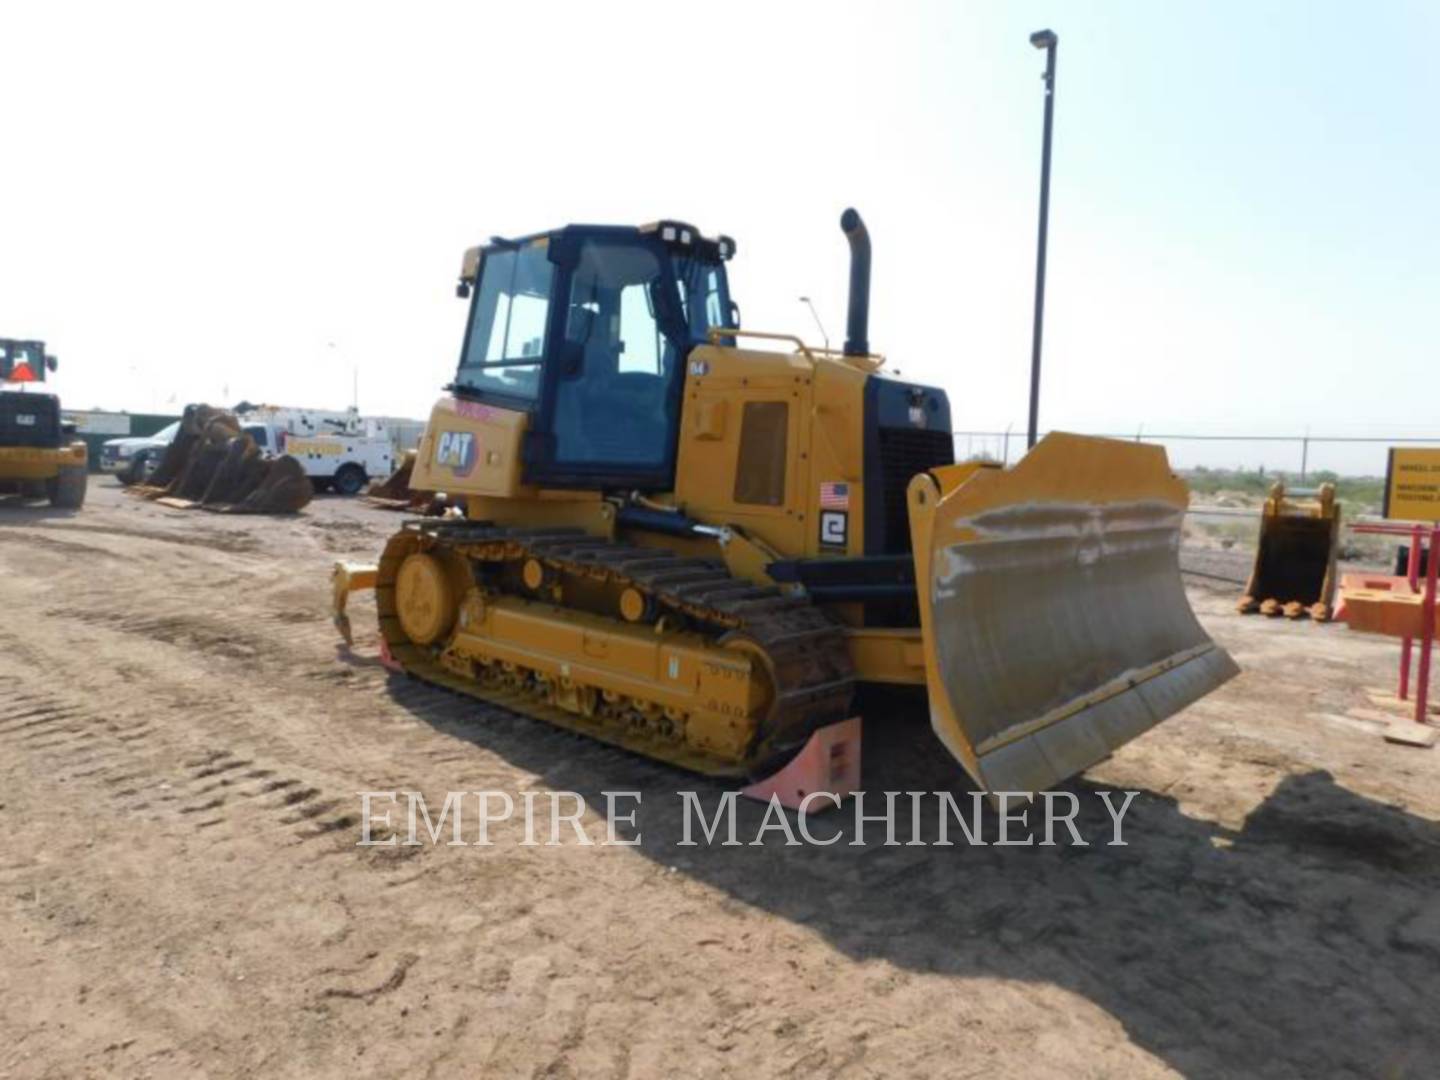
{"type": "Point", "coordinates": [1302, 455]}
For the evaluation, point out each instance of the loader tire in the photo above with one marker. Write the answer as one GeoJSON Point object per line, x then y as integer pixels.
{"type": "Point", "coordinates": [67, 491]}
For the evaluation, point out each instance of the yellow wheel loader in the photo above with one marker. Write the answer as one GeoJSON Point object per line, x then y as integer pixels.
{"type": "Point", "coordinates": [695, 541]}
{"type": "Point", "coordinates": [38, 457]}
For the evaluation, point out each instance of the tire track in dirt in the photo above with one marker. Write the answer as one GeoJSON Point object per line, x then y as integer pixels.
{"type": "Point", "coordinates": [140, 775]}
{"type": "Point", "coordinates": [304, 648]}
{"type": "Point", "coordinates": [298, 650]}
{"type": "Point", "coordinates": [212, 725]}
{"type": "Point", "coordinates": [233, 543]}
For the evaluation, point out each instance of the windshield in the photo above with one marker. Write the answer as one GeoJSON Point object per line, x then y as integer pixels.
{"type": "Point", "coordinates": [506, 340]}
{"type": "Point", "coordinates": [616, 287]}
{"type": "Point", "coordinates": [704, 294]}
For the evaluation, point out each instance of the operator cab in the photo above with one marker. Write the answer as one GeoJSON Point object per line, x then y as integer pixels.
{"type": "Point", "coordinates": [587, 330]}
{"type": "Point", "coordinates": [24, 361]}
{"type": "Point", "coordinates": [27, 418]}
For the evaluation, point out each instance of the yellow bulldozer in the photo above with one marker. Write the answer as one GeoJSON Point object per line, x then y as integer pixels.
{"type": "Point", "coordinates": [696, 541]}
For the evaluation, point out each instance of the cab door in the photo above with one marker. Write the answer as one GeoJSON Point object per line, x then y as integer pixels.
{"type": "Point", "coordinates": [609, 407]}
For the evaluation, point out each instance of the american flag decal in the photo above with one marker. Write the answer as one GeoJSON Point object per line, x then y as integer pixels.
{"type": "Point", "coordinates": [834, 496]}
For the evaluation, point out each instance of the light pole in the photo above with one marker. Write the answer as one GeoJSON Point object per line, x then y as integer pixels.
{"type": "Point", "coordinates": [1042, 39]}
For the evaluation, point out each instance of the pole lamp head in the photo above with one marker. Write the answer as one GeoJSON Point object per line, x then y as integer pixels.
{"type": "Point", "coordinates": [1043, 39]}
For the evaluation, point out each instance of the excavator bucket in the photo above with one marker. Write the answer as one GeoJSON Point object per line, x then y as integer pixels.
{"type": "Point", "coordinates": [1294, 570]}
{"type": "Point", "coordinates": [395, 493]}
{"type": "Point", "coordinates": [285, 488]}
{"type": "Point", "coordinates": [181, 451]}
{"type": "Point", "coordinates": [214, 465]}
{"type": "Point", "coordinates": [1055, 623]}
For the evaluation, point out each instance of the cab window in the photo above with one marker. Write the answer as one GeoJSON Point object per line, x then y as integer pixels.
{"type": "Point", "coordinates": [704, 296]}
{"type": "Point", "coordinates": [506, 339]}
{"type": "Point", "coordinates": [613, 405]}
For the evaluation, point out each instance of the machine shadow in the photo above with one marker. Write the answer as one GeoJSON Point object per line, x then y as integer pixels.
{"type": "Point", "coordinates": [22, 510]}
{"type": "Point", "coordinates": [1306, 942]}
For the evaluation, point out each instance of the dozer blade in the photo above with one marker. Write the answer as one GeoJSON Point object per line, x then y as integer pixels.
{"type": "Point", "coordinates": [1055, 623]}
{"type": "Point", "coordinates": [1294, 571]}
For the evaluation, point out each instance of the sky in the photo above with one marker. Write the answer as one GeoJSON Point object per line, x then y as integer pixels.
{"type": "Point", "coordinates": [270, 201]}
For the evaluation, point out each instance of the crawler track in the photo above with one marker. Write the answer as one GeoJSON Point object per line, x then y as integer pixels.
{"type": "Point", "coordinates": [797, 651]}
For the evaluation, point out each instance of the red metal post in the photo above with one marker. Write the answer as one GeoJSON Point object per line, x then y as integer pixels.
{"type": "Point", "coordinates": [1413, 567]}
{"type": "Point", "coordinates": [1427, 627]}
{"type": "Point", "coordinates": [1413, 570]}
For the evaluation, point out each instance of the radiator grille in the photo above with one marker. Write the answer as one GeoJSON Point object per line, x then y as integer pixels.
{"type": "Point", "coordinates": [904, 452]}
{"type": "Point", "coordinates": [29, 420]}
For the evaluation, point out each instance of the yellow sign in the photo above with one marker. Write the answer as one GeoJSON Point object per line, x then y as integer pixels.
{"type": "Point", "coordinates": [314, 447]}
{"type": "Point", "coordinates": [1412, 484]}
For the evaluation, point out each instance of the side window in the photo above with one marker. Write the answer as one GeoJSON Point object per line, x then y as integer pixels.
{"type": "Point", "coordinates": [703, 296]}
{"type": "Point", "coordinates": [760, 468]}
{"type": "Point", "coordinates": [518, 332]}
{"type": "Point", "coordinates": [640, 342]}
{"type": "Point", "coordinates": [258, 433]}
{"type": "Point", "coordinates": [713, 315]}
{"type": "Point", "coordinates": [507, 323]}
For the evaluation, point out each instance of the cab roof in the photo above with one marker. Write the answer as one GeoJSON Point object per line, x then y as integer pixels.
{"type": "Point", "coordinates": [678, 236]}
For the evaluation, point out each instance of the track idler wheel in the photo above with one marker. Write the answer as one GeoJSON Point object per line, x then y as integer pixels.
{"type": "Point", "coordinates": [426, 599]}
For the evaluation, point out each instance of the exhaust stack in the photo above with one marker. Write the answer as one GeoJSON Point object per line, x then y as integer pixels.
{"type": "Point", "coordinates": [857, 322]}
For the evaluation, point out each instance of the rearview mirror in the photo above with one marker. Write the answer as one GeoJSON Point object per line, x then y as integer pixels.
{"type": "Point", "coordinates": [51, 363]}
{"type": "Point", "coordinates": [734, 315]}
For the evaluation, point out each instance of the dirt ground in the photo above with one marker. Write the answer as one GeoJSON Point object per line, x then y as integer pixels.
{"type": "Point", "coordinates": [181, 747]}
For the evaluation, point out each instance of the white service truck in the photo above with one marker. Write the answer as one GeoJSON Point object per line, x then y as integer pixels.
{"type": "Point", "coordinates": [342, 451]}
